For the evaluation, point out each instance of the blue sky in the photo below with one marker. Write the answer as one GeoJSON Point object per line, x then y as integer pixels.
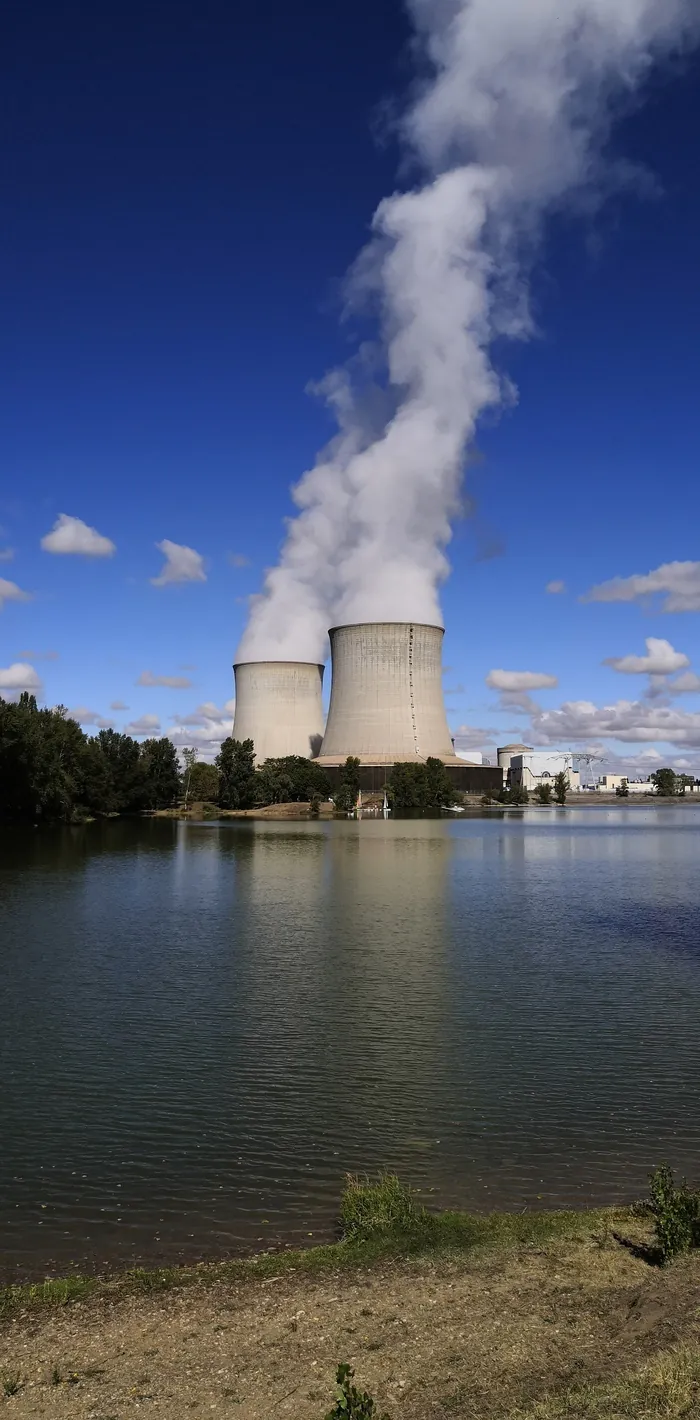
{"type": "Point", "coordinates": [183, 189]}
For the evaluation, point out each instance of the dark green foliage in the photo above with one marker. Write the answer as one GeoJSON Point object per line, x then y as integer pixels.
{"type": "Point", "coordinates": [544, 792]}
{"type": "Point", "coordinates": [676, 1211]}
{"type": "Point", "coordinates": [420, 786]}
{"type": "Point", "coordinates": [561, 786]}
{"type": "Point", "coordinates": [235, 763]}
{"type": "Point", "coordinates": [622, 790]}
{"type": "Point", "coordinates": [292, 780]}
{"type": "Point", "coordinates": [161, 771]}
{"type": "Point", "coordinates": [50, 770]}
{"type": "Point", "coordinates": [517, 795]}
{"type": "Point", "coordinates": [351, 1403]}
{"type": "Point", "coordinates": [664, 781]}
{"type": "Point", "coordinates": [204, 784]}
{"type": "Point", "coordinates": [345, 797]}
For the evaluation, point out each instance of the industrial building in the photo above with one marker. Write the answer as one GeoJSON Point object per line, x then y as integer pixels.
{"type": "Point", "coordinates": [532, 767]}
{"type": "Point", "coordinates": [279, 707]}
{"type": "Point", "coordinates": [386, 706]}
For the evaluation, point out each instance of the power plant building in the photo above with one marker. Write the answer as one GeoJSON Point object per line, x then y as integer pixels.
{"type": "Point", "coordinates": [279, 707]}
{"type": "Point", "coordinates": [387, 703]}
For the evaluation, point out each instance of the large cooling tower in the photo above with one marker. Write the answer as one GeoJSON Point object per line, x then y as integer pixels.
{"type": "Point", "coordinates": [278, 707]}
{"type": "Point", "coordinates": [386, 696]}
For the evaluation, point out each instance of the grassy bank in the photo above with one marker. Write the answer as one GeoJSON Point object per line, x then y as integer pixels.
{"type": "Point", "coordinates": [551, 1316]}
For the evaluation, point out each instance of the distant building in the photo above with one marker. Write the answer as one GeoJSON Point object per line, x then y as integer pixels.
{"type": "Point", "coordinates": [610, 783]}
{"type": "Point", "coordinates": [470, 756]}
{"type": "Point", "coordinates": [541, 766]}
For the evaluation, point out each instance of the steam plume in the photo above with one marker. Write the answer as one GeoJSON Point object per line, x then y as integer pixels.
{"type": "Point", "coordinates": [510, 124]}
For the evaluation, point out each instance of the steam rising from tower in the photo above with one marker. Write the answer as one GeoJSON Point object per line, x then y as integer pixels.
{"type": "Point", "coordinates": [513, 121]}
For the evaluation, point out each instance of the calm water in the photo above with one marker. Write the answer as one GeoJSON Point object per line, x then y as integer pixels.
{"type": "Point", "coordinates": [205, 1025]}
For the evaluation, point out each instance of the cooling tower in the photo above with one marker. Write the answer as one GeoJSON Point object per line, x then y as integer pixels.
{"type": "Point", "coordinates": [386, 696]}
{"type": "Point", "coordinates": [278, 707]}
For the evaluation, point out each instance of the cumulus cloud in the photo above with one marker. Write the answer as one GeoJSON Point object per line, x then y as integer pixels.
{"type": "Point", "coordinates": [182, 564]}
{"type": "Point", "coordinates": [468, 737]}
{"type": "Point", "coordinates": [18, 677]}
{"type": "Point", "coordinates": [632, 721]}
{"type": "Point", "coordinates": [555, 589]}
{"type": "Point", "coordinates": [661, 659]}
{"type": "Point", "coordinates": [118, 705]}
{"type": "Point", "coordinates": [204, 728]}
{"type": "Point", "coordinates": [171, 682]}
{"type": "Point", "coordinates": [90, 717]}
{"type": "Point", "coordinates": [687, 684]}
{"type": "Point", "coordinates": [145, 725]}
{"type": "Point", "coordinates": [71, 537]}
{"type": "Point", "coordinates": [10, 592]}
{"type": "Point", "coordinates": [515, 682]}
{"type": "Point", "coordinates": [6, 554]}
{"type": "Point", "coordinates": [678, 583]}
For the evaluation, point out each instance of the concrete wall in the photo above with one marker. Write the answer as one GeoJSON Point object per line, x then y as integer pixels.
{"type": "Point", "coordinates": [386, 695]}
{"type": "Point", "coordinates": [279, 708]}
{"type": "Point", "coordinates": [468, 778]}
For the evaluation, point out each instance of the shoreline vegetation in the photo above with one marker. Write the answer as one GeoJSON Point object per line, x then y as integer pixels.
{"type": "Point", "coordinates": [544, 1316]}
{"type": "Point", "coordinates": [52, 772]}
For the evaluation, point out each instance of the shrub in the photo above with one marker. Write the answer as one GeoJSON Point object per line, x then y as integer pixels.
{"type": "Point", "coordinates": [370, 1210]}
{"type": "Point", "coordinates": [544, 793]}
{"type": "Point", "coordinates": [351, 1405]}
{"type": "Point", "coordinates": [676, 1212]}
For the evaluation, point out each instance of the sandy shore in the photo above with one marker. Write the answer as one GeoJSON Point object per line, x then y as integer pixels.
{"type": "Point", "coordinates": [517, 1330]}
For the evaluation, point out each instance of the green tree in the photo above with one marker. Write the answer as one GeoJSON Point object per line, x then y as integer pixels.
{"type": "Point", "coordinates": [544, 792]}
{"type": "Point", "coordinates": [161, 773]}
{"type": "Point", "coordinates": [622, 790]}
{"type": "Point", "coordinates": [664, 781]}
{"type": "Point", "coordinates": [204, 784]}
{"type": "Point", "coordinates": [561, 786]}
{"type": "Point", "coordinates": [408, 787]}
{"type": "Point", "coordinates": [190, 759]}
{"type": "Point", "coordinates": [236, 765]}
{"type": "Point", "coordinates": [345, 796]}
{"type": "Point", "coordinates": [291, 780]}
{"type": "Point", "coordinates": [438, 785]}
{"type": "Point", "coordinates": [125, 769]}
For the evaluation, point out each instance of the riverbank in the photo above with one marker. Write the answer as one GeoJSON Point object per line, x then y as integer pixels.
{"type": "Point", "coordinates": [539, 1316]}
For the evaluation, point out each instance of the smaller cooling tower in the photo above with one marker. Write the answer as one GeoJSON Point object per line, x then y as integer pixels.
{"type": "Point", "coordinates": [278, 707]}
{"type": "Point", "coordinates": [506, 752]}
{"type": "Point", "coordinates": [386, 697]}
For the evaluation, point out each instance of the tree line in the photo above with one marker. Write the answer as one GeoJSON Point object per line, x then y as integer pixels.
{"type": "Point", "coordinates": [51, 771]}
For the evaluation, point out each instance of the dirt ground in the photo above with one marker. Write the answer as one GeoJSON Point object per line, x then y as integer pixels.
{"type": "Point", "coordinates": [477, 1336]}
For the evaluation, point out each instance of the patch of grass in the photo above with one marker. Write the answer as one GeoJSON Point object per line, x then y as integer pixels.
{"type": "Point", "coordinates": [11, 1382]}
{"type": "Point", "coordinates": [376, 1209]}
{"type": "Point", "coordinates": [667, 1388]}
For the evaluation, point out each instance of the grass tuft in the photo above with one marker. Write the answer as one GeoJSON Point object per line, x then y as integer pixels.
{"type": "Point", "coordinates": [385, 1208]}
{"type": "Point", "coordinates": [666, 1388]}
{"type": "Point", "coordinates": [11, 1382]}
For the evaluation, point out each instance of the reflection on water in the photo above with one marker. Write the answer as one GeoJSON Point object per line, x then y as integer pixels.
{"type": "Point", "coordinates": [206, 1025]}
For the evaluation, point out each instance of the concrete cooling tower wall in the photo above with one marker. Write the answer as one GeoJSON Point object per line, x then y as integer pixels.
{"type": "Point", "coordinates": [386, 696]}
{"type": "Point", "coordinates": [279, 708]}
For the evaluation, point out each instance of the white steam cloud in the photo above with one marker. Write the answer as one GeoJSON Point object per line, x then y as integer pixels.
{"type": "Point", "coordinates": [511, 122]}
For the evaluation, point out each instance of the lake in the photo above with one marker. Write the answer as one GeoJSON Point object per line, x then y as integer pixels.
{"type": "Point", "coordinates": [205, 1025]}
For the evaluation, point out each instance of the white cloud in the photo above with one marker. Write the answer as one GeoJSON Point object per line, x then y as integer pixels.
{"type": "Point", "coordinates": [513, 682]}
{"type": "Point", "coordinates": [468, 737]}
{"type": "Point", "coordinates": [661, 659]}
{"type": "Point", "coordinates": [687, 684]}
{"type": "Point", "coordinates": [182, 564]}
{"type": "Point", "coordinates": [6, 554]}
{"type": "Point", "coordinates": [238, 559]}
{"type": "Point", "coordinates": [118, 705]}
{"type": "Point", "coordinates": [171, 682]}
{"type": "Point", "coordinates": [677, 582]}
{"type": "Point", "coordinates": [10, 592]}
{"type": "Point", "coordinates": [632, 721]}
{"type": "Point", "coordinates": [18, 677]}
{"type": "Point", "coordinates": [72, 537]}
{"type": "Point", "coordinates": [89, 717]}
{"type": "Point", "coordinates": [145, 725]}
{"type": "Point", "coordinates": [555, 589]}
{"type": "Point", "coordinates": [205, 728]}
